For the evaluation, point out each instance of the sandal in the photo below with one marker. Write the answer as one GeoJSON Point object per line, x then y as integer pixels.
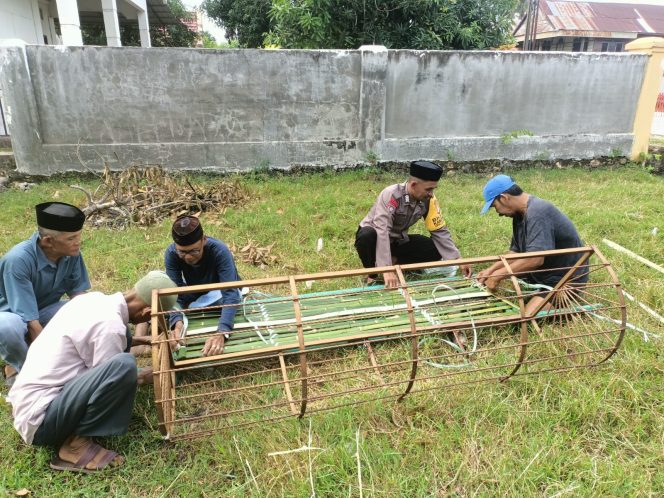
{"type": "Point", "coordinates": [88, 455]}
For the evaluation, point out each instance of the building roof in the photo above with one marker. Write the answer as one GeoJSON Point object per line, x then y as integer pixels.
{"type": "Point", "coordinates": [160, 13]}
{"type": "Point", "coordinates": [596, 19]}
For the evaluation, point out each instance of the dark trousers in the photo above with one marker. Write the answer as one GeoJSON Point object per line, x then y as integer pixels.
{"type": "Point", "coordinates": [418, 249]}
{"type": "Point", "coordinates": [96, 403]}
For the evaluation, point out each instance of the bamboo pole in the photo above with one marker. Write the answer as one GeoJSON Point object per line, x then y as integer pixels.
{"type": "Point", "coordinates": [631, 254]}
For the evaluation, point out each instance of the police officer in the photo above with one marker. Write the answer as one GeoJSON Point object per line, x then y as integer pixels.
{"type": "Point", "coordinates": [382, 238]}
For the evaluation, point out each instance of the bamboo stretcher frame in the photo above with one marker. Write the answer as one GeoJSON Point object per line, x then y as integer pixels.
{"type": "Point", "coordinates": [165, 367]}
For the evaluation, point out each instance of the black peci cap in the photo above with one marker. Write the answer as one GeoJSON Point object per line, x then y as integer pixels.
{"type": "Point", "coordinates": [59, 216]}
{"type": "Point", "coordinates": [426, 170]}
{"type": "Point", "coordinates": [187, 230]}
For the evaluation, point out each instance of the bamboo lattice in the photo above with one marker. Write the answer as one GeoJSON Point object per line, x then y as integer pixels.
{"type": "Point", "coordinates": [295, 352]}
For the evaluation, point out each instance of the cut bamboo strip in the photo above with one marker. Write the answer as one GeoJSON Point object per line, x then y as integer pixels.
{"type": "Point", "coordinates": [631, 254]}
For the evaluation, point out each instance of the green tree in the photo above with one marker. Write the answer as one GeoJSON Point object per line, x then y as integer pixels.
{"type": "Point", "coordinates": [246, 21]}
{"type": "Point", "coordinates": [416, 24]}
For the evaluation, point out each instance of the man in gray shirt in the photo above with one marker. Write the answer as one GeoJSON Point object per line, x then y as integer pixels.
{"type": "Point", "coordinates": [537, 225]}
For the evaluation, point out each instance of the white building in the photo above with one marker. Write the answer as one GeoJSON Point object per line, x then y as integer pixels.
{"type": "Point", "coordinates": [58, 22]}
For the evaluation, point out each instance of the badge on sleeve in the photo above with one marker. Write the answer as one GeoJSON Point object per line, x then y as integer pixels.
{"type": "Point", "coordinates": [434, 220]}
{"type": "Point", "coordinates": [392, 205]}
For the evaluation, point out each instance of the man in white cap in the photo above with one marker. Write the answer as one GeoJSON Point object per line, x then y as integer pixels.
{"type": "Point", "coordinates": [537, 225]}
{"type": "Point", "coordinates": [382, 238]}
{"type": "Point", "coordinates": [79, 381]}
{"type": "Point", "coordinates": [34, 275]}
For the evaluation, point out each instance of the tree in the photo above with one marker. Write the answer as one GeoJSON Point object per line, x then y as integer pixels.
{"type": "Point", "coordinates": [414, 24]}
{"type": "Point", "coordinates": [246, 21]}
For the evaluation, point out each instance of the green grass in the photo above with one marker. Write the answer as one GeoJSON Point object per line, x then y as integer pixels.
{"type": "Point", "coordinates": [592, 432]}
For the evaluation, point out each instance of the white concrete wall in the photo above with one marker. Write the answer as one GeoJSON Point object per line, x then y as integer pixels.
{"type": "Point", "coordinates": [19, 19]}
{"type": "Point", "coordinates": [228, 110]}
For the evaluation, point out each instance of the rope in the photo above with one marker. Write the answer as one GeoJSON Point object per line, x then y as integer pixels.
{"type": "Point", "coordinates": [272, 337]}
{"type": "Point", "coordinates": [432, 320]}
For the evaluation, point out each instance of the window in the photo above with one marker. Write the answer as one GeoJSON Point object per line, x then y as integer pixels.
{"type": "Point", "coordinates": [612, 46]}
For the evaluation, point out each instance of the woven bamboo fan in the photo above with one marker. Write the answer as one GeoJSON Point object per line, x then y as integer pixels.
{"type": "Point", "coordinates": [308, 343]}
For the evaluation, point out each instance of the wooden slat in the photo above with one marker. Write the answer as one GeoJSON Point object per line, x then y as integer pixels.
{"type": "Point", "coordinates": [372, 360]}
{"type": "Point", "coordinates": [524, 325]}
{"type": "Point", "coordinates": [284, 374]}
{"type": "Point", "coordinates": [300, 340]}
{"type": "Point", "coordinates": [403, 285]}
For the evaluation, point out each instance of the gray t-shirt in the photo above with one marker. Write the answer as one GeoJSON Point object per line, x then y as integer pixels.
{"type": "Point", "coordinates": [544, 228]}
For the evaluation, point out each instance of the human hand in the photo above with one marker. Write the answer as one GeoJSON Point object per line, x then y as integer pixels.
{"type": "Point", "coordinates": [391, 280]}
{"type": "Point", "coordinates": [467, 270]}
{"type": "Point", "coordinates": [492, 283]}
{"type": "Point", "coordinates": [214, 345]}
{"type": "Point", "coordinates": [483, 275]}
{"type": "Point", "coordinates": [176, 340]}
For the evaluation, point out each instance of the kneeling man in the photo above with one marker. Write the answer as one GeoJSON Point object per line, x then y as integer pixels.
{"type": "Point", "coordinates": [537, 225]}
{"type": "Point", "coordinates": [382, 238]}
{"type": "Point", "coordinates": [79, 381]}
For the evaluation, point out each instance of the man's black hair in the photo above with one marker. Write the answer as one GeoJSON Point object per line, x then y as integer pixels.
{"type": "Point", "coordinates": [514, 190]}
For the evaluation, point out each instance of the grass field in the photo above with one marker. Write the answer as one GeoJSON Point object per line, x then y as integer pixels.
{"type": "Point", "coordinates": [591, 432]}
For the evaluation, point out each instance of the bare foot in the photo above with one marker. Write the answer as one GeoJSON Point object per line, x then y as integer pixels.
{"type": "Point", "coordinates": [81, 453]}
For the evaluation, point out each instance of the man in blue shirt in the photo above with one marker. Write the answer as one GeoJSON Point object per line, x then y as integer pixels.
{"type": "Point", "coordinates": [195, 259]}
{"type": "Point", "coordinates": [34, 275]}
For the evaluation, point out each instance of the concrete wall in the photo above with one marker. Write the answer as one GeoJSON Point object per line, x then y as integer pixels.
{"type": "Point", "coordinates": [80, 107]}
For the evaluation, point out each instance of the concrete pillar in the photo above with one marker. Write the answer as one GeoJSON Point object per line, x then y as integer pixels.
{"type": "Point", "coordinates": [645, 109]}
{"type": "Point", "coordinates": [111, 23]}
{"type": "Point", "coordinates": [144, 28]}
{"type": "Point", "coordinates": [70, 24]}
{"type": "Point", "coordinates": [373, 93]}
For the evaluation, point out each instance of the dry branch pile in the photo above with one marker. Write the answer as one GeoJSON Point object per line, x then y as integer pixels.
{"type": "Point", "coordinates": [145, 196]}
{"type": "Point", "coordinates": [253, 254]}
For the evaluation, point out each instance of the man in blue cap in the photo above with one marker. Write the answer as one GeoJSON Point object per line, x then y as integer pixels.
{"type": "Point", "coordinates": [382, 238]}
{"type": "Point", "coordinates": [34, 275]}
{"type": "Point", "coordinates": [537, 225]}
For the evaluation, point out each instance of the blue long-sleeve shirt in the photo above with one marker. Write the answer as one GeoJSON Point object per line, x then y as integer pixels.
{"type": "Point", "coordinates": [29, 281]}
{"type": "Point", "coordinates": [215, 266]}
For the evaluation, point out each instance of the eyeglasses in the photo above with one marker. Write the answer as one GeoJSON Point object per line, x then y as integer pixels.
{"type": "Point", "coordinates": [192, 252]}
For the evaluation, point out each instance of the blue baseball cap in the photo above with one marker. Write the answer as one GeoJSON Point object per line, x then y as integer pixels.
{"type": "Point", "coordinates": [493, 188]}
